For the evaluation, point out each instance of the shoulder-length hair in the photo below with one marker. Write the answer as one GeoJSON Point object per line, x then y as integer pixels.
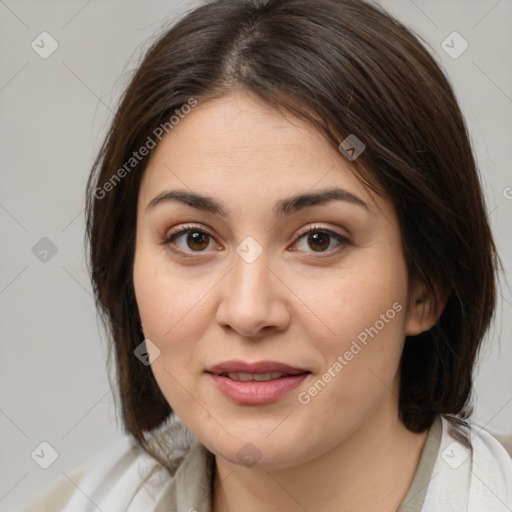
{"type": "Point", "coordinates": [346, 67]}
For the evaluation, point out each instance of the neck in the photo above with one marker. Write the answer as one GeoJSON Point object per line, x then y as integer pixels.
{"type": "Point", "coordinates": [375, 465]}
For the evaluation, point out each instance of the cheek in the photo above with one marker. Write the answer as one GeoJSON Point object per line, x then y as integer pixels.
{"type": "Point", "coordinates": [172, 307]}
{"type": "Point", "coordinates": [164, 297]}
{"type": "Point", "coordinates": [364, 311]}
{"type": "Point", "coordinates": [358, 296]}
{"type": "Point", "coordinates": [166, 307]}
{"type": "Point", "coordinates": [360, 363]}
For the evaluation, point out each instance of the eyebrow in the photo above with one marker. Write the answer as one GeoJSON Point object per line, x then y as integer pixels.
{"type": "Point", "coordinates": [283, 207]}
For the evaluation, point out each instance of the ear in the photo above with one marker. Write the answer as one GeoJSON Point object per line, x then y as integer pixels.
{"type": "Point", "coordinates": [422, 313]}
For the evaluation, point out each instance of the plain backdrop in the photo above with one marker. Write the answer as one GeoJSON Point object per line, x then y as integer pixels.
{"type": "Point", "coordinates": [54, 113]}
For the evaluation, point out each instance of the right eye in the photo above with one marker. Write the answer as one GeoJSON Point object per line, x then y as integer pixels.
{"type": "Point", "coordinates": [189, 240]}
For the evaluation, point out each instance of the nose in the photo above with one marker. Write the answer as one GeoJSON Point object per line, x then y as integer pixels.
{"type": "Point", "coordinates": [254, 299]}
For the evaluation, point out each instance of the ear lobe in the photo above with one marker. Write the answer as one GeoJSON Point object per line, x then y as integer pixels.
{"type": "Point", "coordinates": [422, 313]}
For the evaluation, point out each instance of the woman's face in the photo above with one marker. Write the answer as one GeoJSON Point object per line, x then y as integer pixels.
{"type": "Point", "coordinates": [277, 320]}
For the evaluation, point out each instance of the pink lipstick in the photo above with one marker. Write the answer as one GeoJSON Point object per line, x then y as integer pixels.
{"type": "Point", "coordinates": [256, 383]}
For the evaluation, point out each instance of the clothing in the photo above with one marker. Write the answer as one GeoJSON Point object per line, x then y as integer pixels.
{"type": "Point", "coordinates": [415, 497]}
{"type": "Point", "coordinates": [460, 469]}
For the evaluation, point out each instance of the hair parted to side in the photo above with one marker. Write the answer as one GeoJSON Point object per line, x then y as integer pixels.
{"type": "Point", "coordinates": [346, 67]}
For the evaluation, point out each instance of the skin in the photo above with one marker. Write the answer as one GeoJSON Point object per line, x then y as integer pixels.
{"type": "Point", "coordinates": [346, 449]}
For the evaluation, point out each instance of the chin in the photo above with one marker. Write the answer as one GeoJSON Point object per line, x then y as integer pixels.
{"type": "Point", "coordinates": [255, 449]}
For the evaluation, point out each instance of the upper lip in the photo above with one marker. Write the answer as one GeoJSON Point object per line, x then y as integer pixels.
{"type": "Point", "coordinates": [237, 366]}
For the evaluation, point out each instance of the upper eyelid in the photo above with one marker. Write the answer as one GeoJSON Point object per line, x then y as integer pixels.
{"type": "Point", "coordinates": [186, 228]}
{"type": "Point", "coordinates": [316, 227]}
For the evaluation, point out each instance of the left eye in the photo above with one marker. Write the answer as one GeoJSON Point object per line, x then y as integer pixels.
{"type": "Point", "coordinates": [195, 239]}
{"type": "Point", "coordinates": [320, 239]}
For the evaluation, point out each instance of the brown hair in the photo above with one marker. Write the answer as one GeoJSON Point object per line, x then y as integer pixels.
{"type": "Point", "coordinates": [347, 67]}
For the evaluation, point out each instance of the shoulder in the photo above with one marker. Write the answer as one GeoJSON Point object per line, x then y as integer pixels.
{"type": "Point", "coordinates": [472, 472]}
{"type": "Point", "coordinates": [505, 441]}
{"type": "Point", "coordinates": [125, 477]}
{"type": "Point", "coordinates": [60, 491]}
{"type": "Point", "coordinates": [491, 472]}
{"type": "Point", "coordinates": [57, 494]}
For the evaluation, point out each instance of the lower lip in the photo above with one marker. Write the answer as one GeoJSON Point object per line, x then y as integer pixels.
{"type": "Point", "coordinates": [257, 392]}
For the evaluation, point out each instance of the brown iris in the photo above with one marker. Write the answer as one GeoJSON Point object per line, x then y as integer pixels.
{"type": "Point", "coordinates": [320, 240]}
{"type": "Point", "coordinates": [197, 240]}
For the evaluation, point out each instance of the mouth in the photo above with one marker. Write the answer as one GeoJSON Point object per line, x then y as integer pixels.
{"type": "Point", "coordinates": [256, 383]}
{"type": "Point", "coordinates": [261, 371]}
{"type": "Point", "coordinates": [260, 377]}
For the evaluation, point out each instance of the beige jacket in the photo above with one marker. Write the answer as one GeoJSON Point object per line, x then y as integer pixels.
{"type": "Point", "coordinates": [469, 471]}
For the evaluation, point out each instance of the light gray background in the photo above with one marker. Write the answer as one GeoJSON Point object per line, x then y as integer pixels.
{"type": "Point", "coordinates": [54, 113]}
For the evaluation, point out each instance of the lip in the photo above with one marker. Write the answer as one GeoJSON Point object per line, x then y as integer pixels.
{"type": "Point", "coordinates": [256, 392]}
{"type": "Point", "coordinates": [237, 366]}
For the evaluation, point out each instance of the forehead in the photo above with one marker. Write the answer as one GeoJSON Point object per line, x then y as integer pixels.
{"type": "Point", "coordinates": [241, 142]}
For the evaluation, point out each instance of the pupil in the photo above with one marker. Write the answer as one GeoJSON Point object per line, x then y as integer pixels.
{"type": "Point", "coordinates": [197, 240]}
{"type": "Point", "coordinates": [318, 238]}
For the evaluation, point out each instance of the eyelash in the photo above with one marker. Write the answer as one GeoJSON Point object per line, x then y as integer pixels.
{"type": "Point", "coordinates": [168, 241]}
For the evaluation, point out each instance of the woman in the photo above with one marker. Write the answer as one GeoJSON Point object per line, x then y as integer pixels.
{"type": "Point", "coordinates": [290, 247]}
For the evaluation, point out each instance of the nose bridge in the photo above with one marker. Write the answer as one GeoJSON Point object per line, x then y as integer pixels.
{"type": "Point", "coordinates": [250, 283]}
{"type": "Point", "coordinates": [250, 300]}
{"type": "Point", "coordinates": [250, 268]}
